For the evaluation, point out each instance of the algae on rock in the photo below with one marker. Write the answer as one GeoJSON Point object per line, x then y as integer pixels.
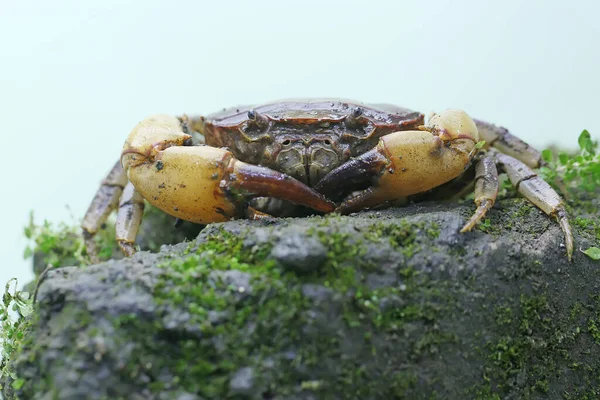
{"type": "Point", "coordinates": [393, 304]}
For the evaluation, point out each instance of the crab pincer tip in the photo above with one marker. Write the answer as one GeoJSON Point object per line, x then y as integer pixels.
{"type": "Point", "coordinates": [265, 182]}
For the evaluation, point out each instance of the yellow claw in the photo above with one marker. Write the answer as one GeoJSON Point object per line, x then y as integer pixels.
{"type": "Point", "coordinates": [407, 162]}
{"type": "Point", "coordinates": [151, 136]}
{"type": "Point", "coordinates": [422, 160]}
{"type": "Point", "coordinates": [201, 184]}
{"type": "Point", "coordinates": [453, 124]}
{"type": "Point", "coordinates": [185, 182]}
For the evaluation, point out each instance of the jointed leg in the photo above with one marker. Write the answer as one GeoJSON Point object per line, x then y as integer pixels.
{"type": "Point", "coordinates": [254, 215]}
{"type": "Point", "coordinates": [503, 140]}
{"type": "Point", "coordinates": [486, 190]}
{"type": "Point", "coordinates": [539, 192]}
{"type": "Point", "coordinates": [129, 217]}
{"type": "Point", "coordinates": [104, 202]}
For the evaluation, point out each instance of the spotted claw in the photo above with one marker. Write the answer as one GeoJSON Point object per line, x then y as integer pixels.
{"type": "Point", "coordinates": [202, 184]}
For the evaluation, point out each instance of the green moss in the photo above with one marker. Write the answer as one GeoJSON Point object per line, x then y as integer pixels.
{"type": "Point", "coordinates": [402, 236]}
{"type": "Point", "coordinates": [429, 343]}
{"type": "Point", "coordinates": [14, 327]}
{"type": "Point", "coordinates": [486, 226]}
{"type": "Point", "coordinates": [504, 315]}
{"type": "Point", "coordinates": [576, 311]}
{"type": "Point", "coordinates": [62, 244]}
{"type": "Point", "coordinates": [248, 332]}
{"type": "Point", "coordinates": [574, 173]}
{"type": "Point", "coordinates": [342, 265]}
{"type": "Point", "coordinates": [433, 231]}
{"type": "Point", "coordinates": [533, 346]}
{"type": "Point", "coordinates": [402, 382]}
{"type": "Point", "coordinates": [519, 218]}
{"type": "Point", "coordinates": [513, 351]}
{"type": "Point", "coordinates": [591, 226]}
{"type": "Point", "coordinates": [71, 323]}
{"type": "Point", "coordinates": [190, 284]}
{"type": "Point", "coordinates": [593, 320]}
{"type": "Point", "coordinates": [525, 209]}
{"type": "Point", "coordinates": [58, 245]}
{"type": "Point", "coordinates": [594, 329]}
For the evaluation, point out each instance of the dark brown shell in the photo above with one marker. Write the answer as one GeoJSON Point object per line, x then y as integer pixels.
{"type": "Point", "coordinates": [324, 132]}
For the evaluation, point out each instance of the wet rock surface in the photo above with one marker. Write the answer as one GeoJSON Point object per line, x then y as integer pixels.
{"type": "Point", "coordinates": [393, 304]}
{"type": "Point", "coordinates": [299, 252]}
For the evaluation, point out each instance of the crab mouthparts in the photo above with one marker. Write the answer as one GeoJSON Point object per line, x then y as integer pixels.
{"type": "Point", "coordinates": [307, 162]}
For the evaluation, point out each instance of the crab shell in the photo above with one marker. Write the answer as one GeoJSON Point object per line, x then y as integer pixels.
{"type": "Point", "coordinates": [305, 139]}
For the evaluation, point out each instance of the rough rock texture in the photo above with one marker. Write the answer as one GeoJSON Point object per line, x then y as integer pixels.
{"type": "Point", "coordinates": [393, 304]}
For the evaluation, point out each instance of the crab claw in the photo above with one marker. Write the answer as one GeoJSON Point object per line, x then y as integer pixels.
{"type": "Point", "coordinates": [202, 184]}
{"type": "Point", "coordinates": [405, 163]}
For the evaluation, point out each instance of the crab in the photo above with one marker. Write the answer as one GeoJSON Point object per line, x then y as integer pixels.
{"type": "Point", "coordinates": [310, 156]}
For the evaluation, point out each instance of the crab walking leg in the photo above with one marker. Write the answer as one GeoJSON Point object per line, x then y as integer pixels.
{"type": "Point", "coordinates": [202, 184]}
{"type": "Point", "coordinates": [539, 192]}
{"type": "Point", "coordinates": [129, 218]}
{"type": "Point", "coordinates": [405, 163]}
{"type": "Point", "coordinates": [256, 215]}
{"type": "Point", "coordinates": [503, 140]}
{"type": "Point", "coordinates": [486, 190]}
{"type": "Point", "coordinates": [104, 202]}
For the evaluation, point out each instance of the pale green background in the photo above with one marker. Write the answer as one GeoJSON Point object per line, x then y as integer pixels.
{"type": "Point", "coordinates": [76, 76]}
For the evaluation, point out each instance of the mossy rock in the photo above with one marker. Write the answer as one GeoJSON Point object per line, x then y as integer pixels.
{"type": "Point", "coordinates": [394, 304]}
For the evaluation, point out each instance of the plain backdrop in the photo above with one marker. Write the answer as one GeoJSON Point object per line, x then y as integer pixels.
{"type": "Point", "coordinates": [76, 76]}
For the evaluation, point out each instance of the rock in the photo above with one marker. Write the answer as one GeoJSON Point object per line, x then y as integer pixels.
{"type": "Point", "coordinates": [317, 293]}
{"type": "Point", "coordinates": [392, 304]}
{"type": "Point", "coordinates": [299, 252]}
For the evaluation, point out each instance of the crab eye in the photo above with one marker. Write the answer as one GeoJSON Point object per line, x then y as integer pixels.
{"type": "Point", "coordinates": [352, 119]}
{"type": "Point", "coordinates": [257, 119]}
